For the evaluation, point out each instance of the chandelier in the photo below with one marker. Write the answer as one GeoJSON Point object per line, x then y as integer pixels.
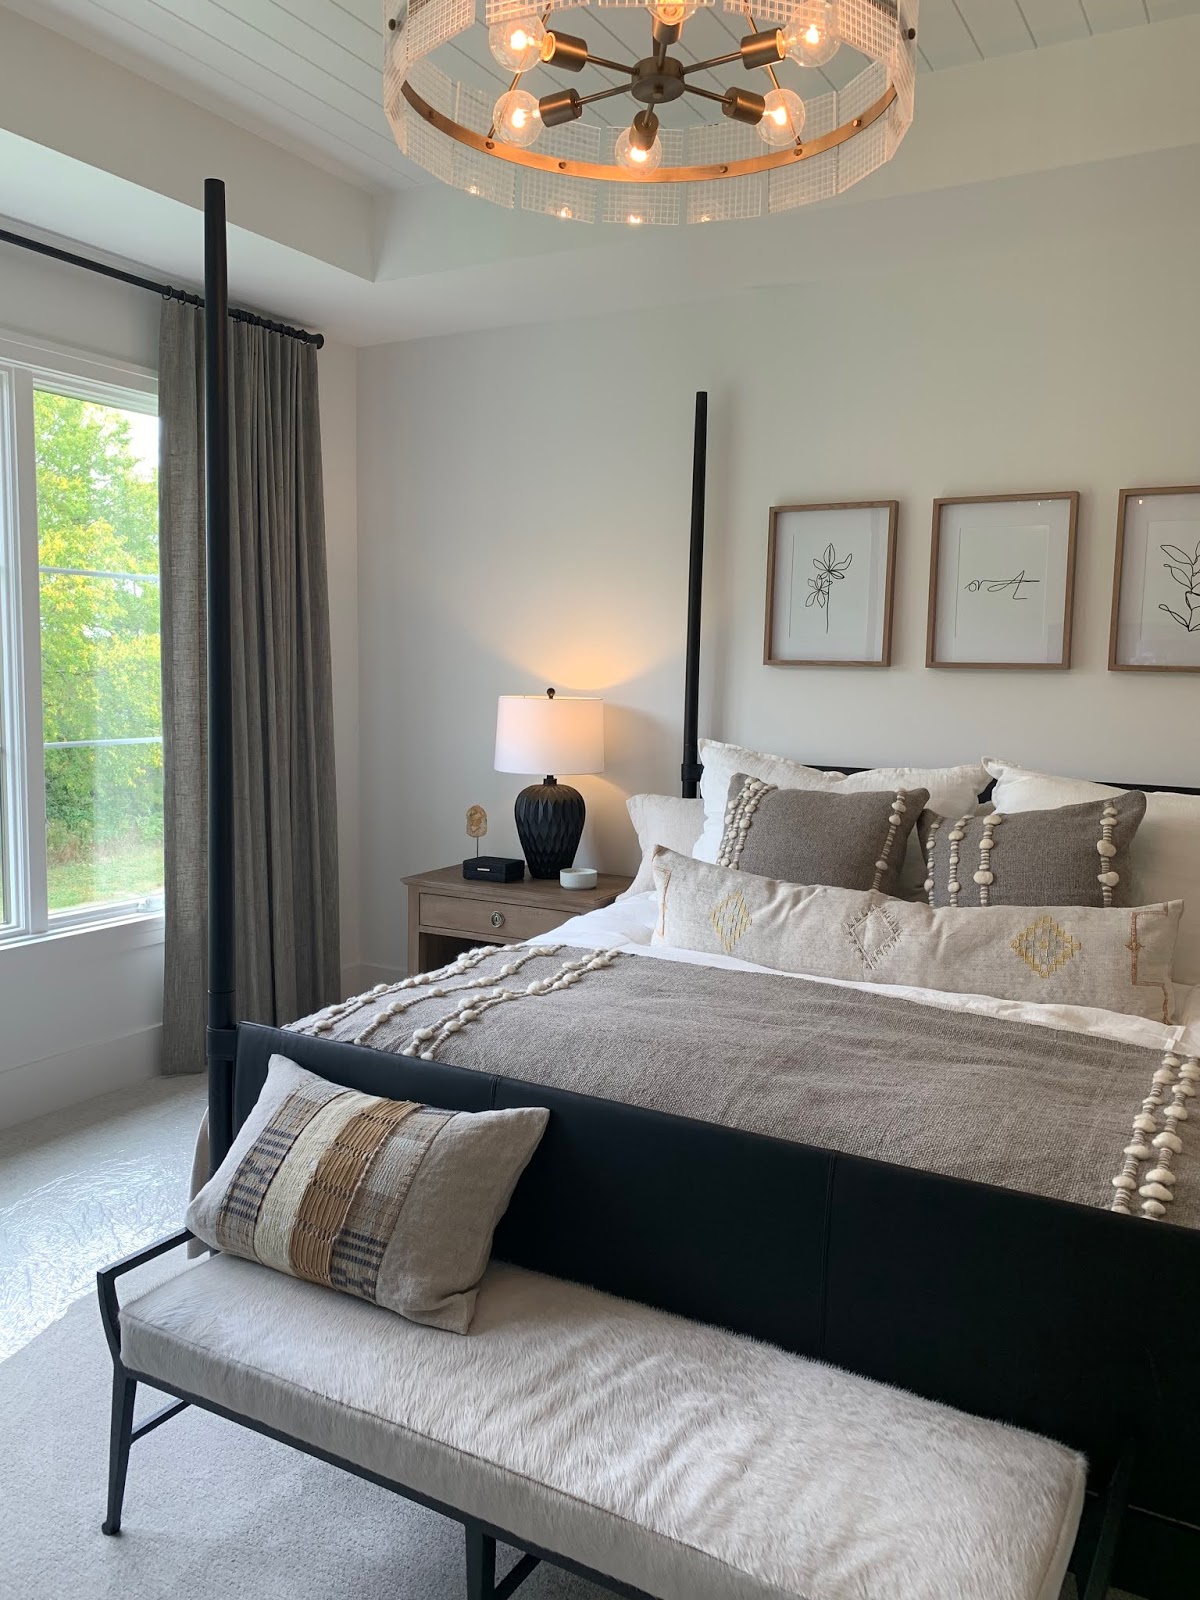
{"type": "Point", "coordinates": [782, 134]}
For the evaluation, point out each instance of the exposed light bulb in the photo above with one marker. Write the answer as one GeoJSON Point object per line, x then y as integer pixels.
{"type": "Point", "coordinates": [633, 156]}
{"type": "Point", "coordinates": [810, 37]}
{"type": "Point", "coordinates": [782, 118]}
{"type": "Point", "coordinates": [519, 43]}
{"type": "Point", "coordinates": [634, 219]}
{"type": "Point", "coordinates": [673, 13]}
{"type": "Point", "coordinates": [565, 212]}
{"type": "Point", "coordinates": [517, 118]}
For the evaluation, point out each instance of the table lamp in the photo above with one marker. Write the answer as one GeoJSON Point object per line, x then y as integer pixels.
{"type": "Point", "coordinates": [549, 733]}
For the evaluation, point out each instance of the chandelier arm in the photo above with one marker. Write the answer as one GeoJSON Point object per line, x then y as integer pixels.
{"type": "Point", "coordinates": [707, 94]}
{"type": "Point", "coordinates": [714, 61]}
{"type": "Point", "coordinates": [613, 66]}
{"type": "Point", "coordinates": [603, 94]}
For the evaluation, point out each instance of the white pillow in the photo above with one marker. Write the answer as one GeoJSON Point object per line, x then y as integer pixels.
{"type": "Point", "coordinates": [1165, 855]}
{"type": "Point", "coordinates": [953, 791]}
{"type": "Point", "coordinates": [662, 819]}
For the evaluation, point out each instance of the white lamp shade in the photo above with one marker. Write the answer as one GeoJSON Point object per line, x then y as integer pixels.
{"type": "Point", "coordinates": [537, 734]}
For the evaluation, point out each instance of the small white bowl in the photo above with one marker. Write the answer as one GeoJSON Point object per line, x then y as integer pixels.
{"type": "Point", "coordinates": [577, 877]}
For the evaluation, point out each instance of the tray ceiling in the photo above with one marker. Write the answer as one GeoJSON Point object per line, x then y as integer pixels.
{"type": "Point", "coordinates": [307, 73]}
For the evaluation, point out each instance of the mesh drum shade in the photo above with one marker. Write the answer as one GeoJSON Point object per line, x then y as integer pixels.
{"type": "Point", "coordinates": [537, 734]}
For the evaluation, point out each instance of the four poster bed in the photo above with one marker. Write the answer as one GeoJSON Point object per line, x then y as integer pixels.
{"type": "Point", "coordinates": [706, 1153]}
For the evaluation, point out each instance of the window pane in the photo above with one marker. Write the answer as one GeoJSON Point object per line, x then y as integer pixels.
{"type": "Point", "coordinates": [97, 479]}
{"type": "Point", "coordinates": [103, 825]}
{"type": "Point", "coordinates": [10, 664]}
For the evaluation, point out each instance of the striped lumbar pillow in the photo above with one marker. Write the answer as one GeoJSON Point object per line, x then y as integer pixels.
{"type": "Point", "coordinates": [389, 1200]}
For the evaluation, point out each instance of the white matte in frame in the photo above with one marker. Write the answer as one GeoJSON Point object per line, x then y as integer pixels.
{"type": "Point", "coordinates": [1156, 588]}
{"type": "Point", "coordinates": [1002, 581]}
{"type": "Point", "coordinates": [830, 572]}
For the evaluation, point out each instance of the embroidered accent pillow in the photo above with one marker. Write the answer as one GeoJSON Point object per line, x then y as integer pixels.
{"type": "Point", "coordinates": [1062, 955]}
{"type": "Point", "coordinates": [851, 841]}
{"type": "Point", "coordinates": [1165, 859]}
{"type": "Point", "coordinates": [1069, 856]}
{"type": "Point", "coordinates": [389, 1200]}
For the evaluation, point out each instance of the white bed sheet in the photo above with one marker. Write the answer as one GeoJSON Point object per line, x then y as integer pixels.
{"type": "Point", "coordinates": [627, 925]}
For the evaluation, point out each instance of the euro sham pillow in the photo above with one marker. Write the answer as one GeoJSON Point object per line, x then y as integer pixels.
{"type": "Point", "coordinates": [661, 819]}
{"type": "Point", "coordinates": [851, 841]}
{"type": "Point", "coordinates": [1069, 856]}
{"type": "Point", "coordinates": [1060, 955]}
{"type": "Point", "coordinates": [389, 1200]}
{"type": "Point", "coordinates": [1165, 856]}
{"type": "Point", "coordinates": [952, 790]}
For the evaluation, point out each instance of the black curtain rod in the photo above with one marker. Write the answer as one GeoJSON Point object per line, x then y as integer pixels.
{"type": "Point", "coordinates": [168, 291]}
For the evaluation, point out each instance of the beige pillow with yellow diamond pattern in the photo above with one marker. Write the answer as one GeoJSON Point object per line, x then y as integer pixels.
{"type": "Point", "coordinates": [1061, 955]}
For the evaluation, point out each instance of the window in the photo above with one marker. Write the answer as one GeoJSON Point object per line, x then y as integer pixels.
{"type": "Point", "coordinates": [80, 719]}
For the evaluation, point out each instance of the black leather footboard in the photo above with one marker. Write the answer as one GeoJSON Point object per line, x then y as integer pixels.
{"type": "Point", "coordinates": [1070, 1321]}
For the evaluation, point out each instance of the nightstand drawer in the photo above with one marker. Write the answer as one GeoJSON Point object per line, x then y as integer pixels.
{"type": "Point", "coordinates": [488, 919]}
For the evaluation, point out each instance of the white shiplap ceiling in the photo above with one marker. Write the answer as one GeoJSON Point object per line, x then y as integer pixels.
{"type": "Point", "coordinates": [307, 73]}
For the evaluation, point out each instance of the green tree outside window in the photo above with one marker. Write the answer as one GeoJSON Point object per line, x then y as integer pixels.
{"type": "Point", "coordinates": [98, 518]}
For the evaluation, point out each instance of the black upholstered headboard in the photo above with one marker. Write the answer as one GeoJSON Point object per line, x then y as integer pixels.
{"type": "Point", "coordinates": [985, 794]}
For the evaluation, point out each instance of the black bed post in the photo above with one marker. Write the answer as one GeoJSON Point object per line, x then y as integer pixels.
{"type": "Point", "coordinates": [221, 1033]}
{"type": "Point", "coordinates": [690, 773]}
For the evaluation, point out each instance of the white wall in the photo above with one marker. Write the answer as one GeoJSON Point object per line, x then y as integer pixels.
{"type": "Point", "coordinates": [523, 501]}
{"type": "Point", "coordinates": [82, 1014]}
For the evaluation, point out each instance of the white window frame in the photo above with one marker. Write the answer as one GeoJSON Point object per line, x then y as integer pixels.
{"type": "Point", "coordinates": [26, 365]}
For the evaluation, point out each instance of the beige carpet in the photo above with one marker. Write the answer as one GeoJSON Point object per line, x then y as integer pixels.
{"type": "Point", "coordinates": [211, 1510]}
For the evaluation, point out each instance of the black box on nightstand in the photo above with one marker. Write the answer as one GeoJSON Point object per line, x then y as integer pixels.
{"type": "Point", "coordinates": [494, 869]}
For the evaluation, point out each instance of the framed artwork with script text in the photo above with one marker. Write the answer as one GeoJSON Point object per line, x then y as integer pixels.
{"type": "Point", "coordinates": [1002, 581]}
{"type": "Point", "coordinates": [830, 576]}
{"type": "Point", "coordinates": [1156, 585]}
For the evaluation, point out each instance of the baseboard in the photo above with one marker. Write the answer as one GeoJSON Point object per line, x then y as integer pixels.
{"type": "Point", "coordinates": [367, 976]}
{"type": "Point", "coordinates": [356, 977]}
{"type": "Point", "coordinates": [55, 1082]}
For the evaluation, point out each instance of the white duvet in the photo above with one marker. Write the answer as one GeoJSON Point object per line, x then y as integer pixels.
{"type": "Point", "coordinates": [627, 926]}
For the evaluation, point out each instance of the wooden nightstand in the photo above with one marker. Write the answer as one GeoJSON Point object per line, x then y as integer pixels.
{"type": "Point", "coordinates": [448, 913]}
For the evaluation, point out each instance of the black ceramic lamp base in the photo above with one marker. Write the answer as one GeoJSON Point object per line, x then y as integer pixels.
{"type": "Point", "coordinates": [549, 822]}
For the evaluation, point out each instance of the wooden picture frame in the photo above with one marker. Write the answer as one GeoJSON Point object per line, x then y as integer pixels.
{"type": "Point", "coordinates": [1129, 504]}
{"type": "Point", "coordinates": [1061, 527]}
{"type": "Point", "coordinates": [866, 528]}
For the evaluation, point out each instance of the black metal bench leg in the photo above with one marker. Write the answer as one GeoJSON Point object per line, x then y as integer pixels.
{"type": "Point", "coordinates": [481, 1564]}
{"type": "Point", "coordinates": [119, 1439]}
{"type": "Point", "coordinates": [1094, 1586]}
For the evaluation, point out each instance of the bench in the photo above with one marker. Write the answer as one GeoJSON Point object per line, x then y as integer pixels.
{"type": "Point", "coordinates": [654, 1455]}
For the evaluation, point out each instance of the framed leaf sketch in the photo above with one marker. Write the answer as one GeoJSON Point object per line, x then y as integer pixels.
{"type": "Point", "coordinates": [1156, 584]}
{"type": "Point", "coordinates": [830, 576]}
{"type": "Point", "coordinates": [1002, 581]}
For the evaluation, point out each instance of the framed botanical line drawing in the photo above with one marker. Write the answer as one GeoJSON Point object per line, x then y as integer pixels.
{"type": "Point", "coordinates": [830, 576]}
{"type": "Point", "coordinates": [1002, 581]}
{"type": "Point", "coordinates": [1156, 582]}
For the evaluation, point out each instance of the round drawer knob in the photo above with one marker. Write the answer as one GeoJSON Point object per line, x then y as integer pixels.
{"type": "Point", "coordinates": [497, 919]}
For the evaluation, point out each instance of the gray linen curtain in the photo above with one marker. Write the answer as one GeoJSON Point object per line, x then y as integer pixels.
{"type": "Point", "coordinates": [284, 803]}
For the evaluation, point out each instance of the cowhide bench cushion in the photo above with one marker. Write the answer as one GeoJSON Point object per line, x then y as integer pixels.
{"type": "Point", "coordinates": [681, 1459]}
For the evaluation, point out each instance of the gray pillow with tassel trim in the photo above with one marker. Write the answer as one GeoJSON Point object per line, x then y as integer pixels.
{"type": "Point", "coordinates": [848, 841]}
{"type": "Point", "coordinates": [1069, 856]}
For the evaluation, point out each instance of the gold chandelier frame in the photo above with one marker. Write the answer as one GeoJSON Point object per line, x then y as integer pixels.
{"type": "Point", "coordinates": [598, 172]}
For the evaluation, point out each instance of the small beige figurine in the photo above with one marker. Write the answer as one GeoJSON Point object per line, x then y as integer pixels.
{"type": "Point", "coordinates": [476, 825]}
